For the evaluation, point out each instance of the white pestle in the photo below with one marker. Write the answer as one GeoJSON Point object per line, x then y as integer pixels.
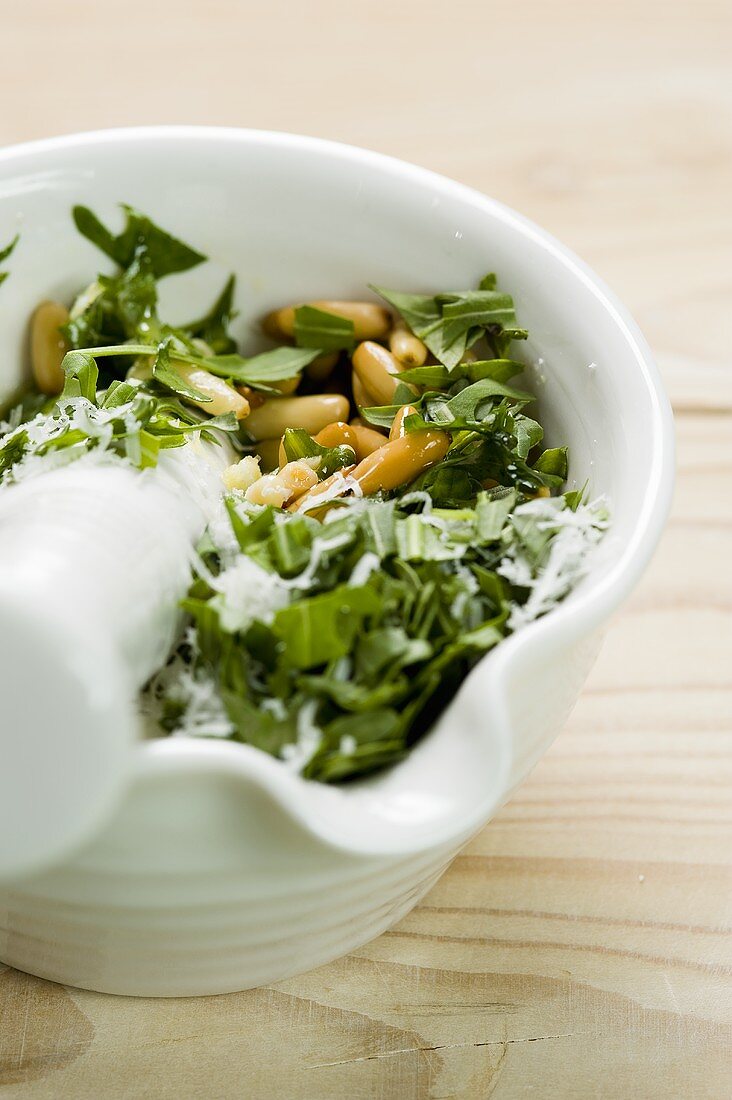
{"type": "Point", "coordinates": [94, 558]}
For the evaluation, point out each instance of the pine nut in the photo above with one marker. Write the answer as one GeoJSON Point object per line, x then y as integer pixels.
{"type": "Point", "coordinates": [375, 368]}
{"type": "Point", "coordinates": [370, 321]}
{"type": "Point", "coordinates": [254, 397]}
{"type": "Point", "coordinates": [287, 484]}
{"type": "Point", "coordinates": [242, 474]}
{"type": "Point", "coordinates": [311, 413]}
{"type": "Point", "coordinates": [337, 434]}
{"type": "Point", "coordinates": [48, 347]}
{"type": "Point", "coordinates": [332, 435]}
{"type": "Point", "coordinates": [309, 501]}
{"type": "Point", "coordinates": [397, 424]}
{"type": "Point", "coordinates": [362, 398]}
{"type": "Point", "coordinates": [368, 440]}
{"type": "Point", "coordinates": [401, 461]}
{"type": "Point", "coordinates": [224, 398]}
{"type": "Point", "coordinates": [280, 324]}
{"type": "Point", "coordinates": [286, 386]}
{"type": "Point", "coordinates": [408, 349]}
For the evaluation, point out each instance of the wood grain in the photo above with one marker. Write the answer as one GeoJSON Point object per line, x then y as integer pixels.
{"type": "Point", "coordinates": [580, 946]}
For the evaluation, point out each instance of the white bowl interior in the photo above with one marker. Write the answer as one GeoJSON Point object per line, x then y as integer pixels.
{"type": "Point", "coordinates": [296, 218]}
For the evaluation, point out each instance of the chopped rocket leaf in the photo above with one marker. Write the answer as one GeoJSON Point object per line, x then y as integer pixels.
{"type": "Point", "coordinates": [8, 250]}
{"type": "Point", "coordinates": [141, 236]}
{"type": "Point", "coordinates": [323, 628]}
{"type": "Point", "coordinates": [6, 253]}
{"type": "Point", "coordinates": [439, 377]}
{"type": "Point", "coordinates": [316, 328]}
{"type": "Point", "coordinates": [298, 444]}
{"type": "Point", "coordinates": [213, 327]}
{"type": "Point", "coordinates": [121, 308]}
{"type": "Point", "coordinates": [553, 462]}
{"type": "Point", "coordinates": [82, 374]}
{"type": "Point", "coordinates": [168, 376]}
{"type": "Point", "coordinates": [382, 416]}
{"type": "Point", "coordinates": [451, 323]}
{"type": "Point", "coordinates": [271, 366]}
{"type": "Point", "coordinates": [356, 657]}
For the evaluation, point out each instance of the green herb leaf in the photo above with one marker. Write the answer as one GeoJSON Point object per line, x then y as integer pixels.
{"type": "Point", "coordinates": [483, 638]}
{"type": "Point", "coordinates": [8, 250]}
{"type": "Point", "coordinates": [169, 377]}
{"type": "Point", "coordinates": [213, 327]}
{"type": "Point", "coordinates": [298, 444]}
{"type": "Point", "coordinates": [528, 434]}
{"type": "Point", "coordinates": [118, 393]}
{"type": "Point", "coordinates": [382, 416]}
{"type": "Point", "coordinates": [252, 529]}
{"type": "Point", "coordinates": [224, 422]}
{"type": "Point", "coordinates": [418, 540]}
{"type": "Point", "coordinates": [316, 328]}
{"type": "Point", "coordinates": [90, 227]}
{"type": "Point", "coordinates": [12, 449]}
{"type": "Point", "coordinates": [377, 742]}
{"type": "Point", "coordinates": [142, 448]}
{"type": "Point", "coordinates": [289, 545]}
{"type": "Point", "coordinates": [479, 407]}
{"type": "Point", "coordinates": [419, 311]}
{"type": "Point", "coordinates": [467, 404]}
{"type": "Point", "coordinates": [5, 254]}
{"type": "Point", "coordinates": [553, 461]}
{"type": "Point", "coordinates": [433, 376]}
{"type": "Point", "coordinates": [575, 497]}
{"type": "Point", "coordinates": [165, 253]}
{"type": "Point", "coordinates": [324, 628]}
{"type": "Point", "coordinates": [475, 309]}
{"type": "Point", "coordinates": [386, 651]}
{"type": "Point", "coordinates": [500, 370]}
{"type": "Point", "coordinates": [82, 375]}
{"type": "Point", "coordinates": [451, 323]}
{"type": "Point", "coordinates": [437, 377]}
{"type": "Point", "coordinates": [124, 307]}
{"type": "Point", "coordinates": [492, 512]}
{"type": "Point", "coordinates": [271, 366]}
{"type": "Point", "coordinates": [474, 459]}
{"type": "Point", "coordinates": [378, 529]}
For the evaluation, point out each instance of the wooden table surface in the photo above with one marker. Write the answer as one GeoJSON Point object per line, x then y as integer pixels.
{"type": "Point", "coordinates": [580, 946]}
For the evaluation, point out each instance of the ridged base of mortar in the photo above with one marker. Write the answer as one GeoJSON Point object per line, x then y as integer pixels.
{"type": "Point", "coordinates": [221, 947]}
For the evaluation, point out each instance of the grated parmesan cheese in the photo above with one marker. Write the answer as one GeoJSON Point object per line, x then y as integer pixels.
{"type": "Point", "coordinates": [242, 474]}
{"type": "Point", "coordinates": [575, 535]}
{"type": "Point", "coordinates": [321, 546]}
{"type": "Point", "coordinates": [367, 564]}
{"type": "Point", "coordinates": [247, 592]}
{"type": "Point", "coordinates": [347, 745]}
{"type": "Point", "coordinates": [309, 736]}
{"type": "Point", "coordinates": [340, 485]}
